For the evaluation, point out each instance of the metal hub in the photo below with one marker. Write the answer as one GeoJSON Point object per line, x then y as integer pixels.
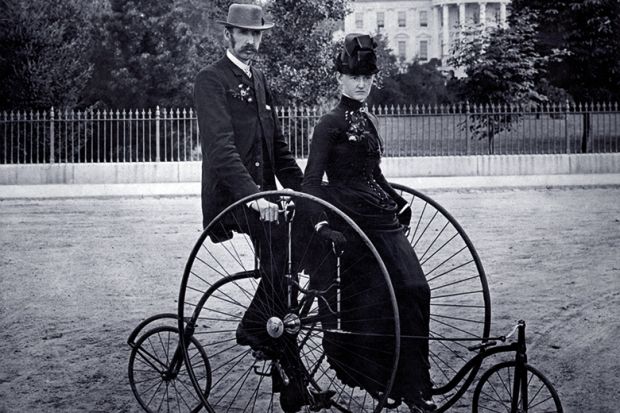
{"type": "Point", "coordinates": [292, 323]}
{"type": "Point", "coordinates": [276, 326]}
{"type": "Point", "coordinates": [167, 376]}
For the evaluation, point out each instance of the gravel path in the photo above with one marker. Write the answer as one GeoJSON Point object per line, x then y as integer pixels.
{"type": "Point", "coordinates": [77, 275]}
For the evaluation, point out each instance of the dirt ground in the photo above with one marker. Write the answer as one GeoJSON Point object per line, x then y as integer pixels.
{"type": "Point", "coordinates": [77, 275]}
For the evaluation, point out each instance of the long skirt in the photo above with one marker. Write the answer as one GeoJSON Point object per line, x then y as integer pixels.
{"type": "Point", "coordinates": [361, 350]}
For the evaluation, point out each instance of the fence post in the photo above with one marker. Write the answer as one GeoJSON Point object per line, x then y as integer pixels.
{"type": "Point", "coordinates": [467, 144]}
{"type": "Point", "coordinates": [6, 144]}
{"type": "Point", "coordinates": [52, 135]}
{"type": "Point", "coordinates": [566, 136]}
{"type": "Point", "coordinates": [157, 135]}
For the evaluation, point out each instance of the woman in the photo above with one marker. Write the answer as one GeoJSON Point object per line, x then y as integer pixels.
{"type": "Point", "coordinates": [346, 146]}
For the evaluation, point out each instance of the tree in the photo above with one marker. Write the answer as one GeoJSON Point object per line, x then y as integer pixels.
{"type": "Point", "coordinates": [146, 56]}
{"type": "Point", "coordinates": [42, 45]}
{"type": "Point", "coordinates": [503, 68]}
{"type": "Point", "coordinates": [297, 54]}
{"type": "Point", "coordinates": [589, 31]}
{"type": "Point", "coordinates": [201, 16]}
{"type": "Point", "coordinates": [420, 83]}
{"type": "Point", "coordinates": [501, 64]}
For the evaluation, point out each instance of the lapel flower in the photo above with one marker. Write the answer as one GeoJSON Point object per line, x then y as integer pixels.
{"type": "Point", "coordinates": [243, 93]}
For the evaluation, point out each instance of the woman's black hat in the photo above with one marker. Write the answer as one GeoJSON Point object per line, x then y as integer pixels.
{"type": "Point", "coordinates": [358, 55]}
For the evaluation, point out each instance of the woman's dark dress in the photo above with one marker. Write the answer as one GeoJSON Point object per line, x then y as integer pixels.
{"type": "Point", "coordinates": [346, 146]}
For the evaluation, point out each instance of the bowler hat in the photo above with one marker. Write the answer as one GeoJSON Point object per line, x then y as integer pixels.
{"type": "Point", "coordinates": [357, 56]}
{"type": "Point", "coordinates": [246, 16]}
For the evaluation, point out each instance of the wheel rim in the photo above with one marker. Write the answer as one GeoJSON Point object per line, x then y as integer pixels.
{"type": "Point", "coordinates": [218, 285]}
{"type": "Point", "coordinates": [156, 387]}
{"type": "Point", "coordinates": [495, 389]}
{"type": "Point", "coordinates": [460, 300]}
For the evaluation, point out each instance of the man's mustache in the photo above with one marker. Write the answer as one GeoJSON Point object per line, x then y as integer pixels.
{"type": "Point", "coordinates": [249, 48]}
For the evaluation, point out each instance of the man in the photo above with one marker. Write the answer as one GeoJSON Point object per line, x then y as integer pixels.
{"type": "Point", "coordinates": [243, 152]}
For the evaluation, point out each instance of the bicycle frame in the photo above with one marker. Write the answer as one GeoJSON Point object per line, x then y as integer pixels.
{"type": "Point", "coordinates": [518, 347]}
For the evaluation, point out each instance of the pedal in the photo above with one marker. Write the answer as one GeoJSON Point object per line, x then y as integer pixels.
{"type": "Point", "coordinates": [320, 400]}
{"type": "Point", "coordinates": [281, 372]}
{"type": "Point", "coordinates": [260, 355]}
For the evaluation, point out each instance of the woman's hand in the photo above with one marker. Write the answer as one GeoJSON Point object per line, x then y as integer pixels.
{"type": "Point", "coordinates": [404, 216]}
{"type": "Point", "coordinates": [337, 238]}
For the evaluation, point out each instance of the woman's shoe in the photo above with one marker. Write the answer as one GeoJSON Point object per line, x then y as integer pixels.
{"type": "Point", "coordinates": [420, 405]}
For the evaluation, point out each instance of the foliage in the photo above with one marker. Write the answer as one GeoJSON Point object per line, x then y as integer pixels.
{"type": "Point", "coordinates": [201, 16]}
{"type": "Point", "coordinates": [151, 51]}
{"type": "Point", "coordinates": [503, 68]}
{"type": "Point", "coordinates": [589, 30]}
{"type": "Point", "coordinates": [501, 64]}
{"type": "Point", "coordinates": [42, 45]}
{"type": "Point", "coordinates": [420, 83]}
{"type": "Point", "coordinates": [145, 56]}
{"type": "Point", "coordinates": [297, 54]}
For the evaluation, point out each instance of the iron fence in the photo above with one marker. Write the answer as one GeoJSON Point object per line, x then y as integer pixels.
{"type": "Point", "coordinates": [169, 135]}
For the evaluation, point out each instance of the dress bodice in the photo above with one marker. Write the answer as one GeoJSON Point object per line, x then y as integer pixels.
{"type": "Point", "coordinates": [347, 147]}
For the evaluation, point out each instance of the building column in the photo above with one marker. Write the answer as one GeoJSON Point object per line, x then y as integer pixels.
{"type": "Point", "coordinates": [461, 20]}
{"type": "Point", "coordinates": [483, 14]}
{"type": "Point", "coordinates": [445, 34]}
{"type": "Point", "coordinates": [502, 15]}
{"type": "Point", "coordinates": [462, 14]}
{"type": "Point", "coordinates": [436, 33]}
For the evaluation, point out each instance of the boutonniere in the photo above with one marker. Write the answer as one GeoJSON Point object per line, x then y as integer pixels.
{"type": "Point", "coordinates": [243, 93]}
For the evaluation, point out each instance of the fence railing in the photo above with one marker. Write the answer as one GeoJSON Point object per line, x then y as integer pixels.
{"type": "Point", "coordinates": [169, 135]}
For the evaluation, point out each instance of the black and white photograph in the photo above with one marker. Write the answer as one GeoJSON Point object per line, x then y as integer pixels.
{"type": "Point", "coordinates": [282, 206]}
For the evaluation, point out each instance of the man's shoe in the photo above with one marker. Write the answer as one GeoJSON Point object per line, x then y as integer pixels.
{"type": "Point", "coordinates": [261, 348]}
{"type": "Point", "coordinates": [294, 396]}
{"type": "Point", "coordinates": [244, 338]}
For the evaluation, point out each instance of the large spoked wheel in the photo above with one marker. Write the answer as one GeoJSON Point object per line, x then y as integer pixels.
{"type": "Point", "coordinates": [495, 390]}
{"type": "Point", "coordinates": [286, 321]}
{"type": "Point", "coordinates": [460, 301]}
{"type": "Point", "coordinates": [157, 374]}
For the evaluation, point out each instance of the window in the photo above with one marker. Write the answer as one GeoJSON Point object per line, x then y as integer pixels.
{"type": "Point", "coordinates": [423, 18]}
{"type": "Point", "coordinates": [380, 20]}
{"type": "Point", "coordinates": [423, 55]}
{"type": "Point", "coordinates": [402, 19]}
{"type": "Point", "coordinates": [402, 49]}
{"type": "Point", "coordinates": [359, 20]}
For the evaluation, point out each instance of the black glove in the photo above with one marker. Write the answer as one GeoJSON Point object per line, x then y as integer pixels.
{"type": "Point", "coordinates": [404, 216]}
{"type": "Point", "coordinates": [336, 238]}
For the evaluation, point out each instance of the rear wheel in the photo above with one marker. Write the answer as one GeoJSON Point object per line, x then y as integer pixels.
{"type": "Point", "coordinates": [460, 300]}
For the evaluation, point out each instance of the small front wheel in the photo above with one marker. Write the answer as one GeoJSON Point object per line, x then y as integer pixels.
{"type": "Point", "coordinates": [158, 375]}
{"type": "Point", "coordinates": [494, 392]}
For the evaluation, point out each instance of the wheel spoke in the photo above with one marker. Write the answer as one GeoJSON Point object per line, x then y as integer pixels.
{"type": "Point", "coordinates": [216, 302]}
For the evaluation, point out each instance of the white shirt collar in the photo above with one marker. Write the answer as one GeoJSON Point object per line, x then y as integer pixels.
{"type": "Point", "coordinates": [239, 63]}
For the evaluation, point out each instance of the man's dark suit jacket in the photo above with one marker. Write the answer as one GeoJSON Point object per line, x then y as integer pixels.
{"type": "Point", "coordinates": [229, 126]}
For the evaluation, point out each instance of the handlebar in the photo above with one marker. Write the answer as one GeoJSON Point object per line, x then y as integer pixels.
{"type": "Point", "coordinates": [493, 340]}
{"type": "Point", "coordinates": [480, 346]}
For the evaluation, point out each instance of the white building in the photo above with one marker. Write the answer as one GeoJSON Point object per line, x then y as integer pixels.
{"type": "Point", "coordinates": [422, 29]}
